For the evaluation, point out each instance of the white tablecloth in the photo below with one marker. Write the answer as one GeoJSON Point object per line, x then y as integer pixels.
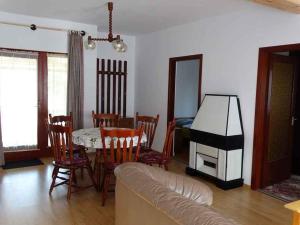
{"type": "Point", "coordinates": [91, 138]}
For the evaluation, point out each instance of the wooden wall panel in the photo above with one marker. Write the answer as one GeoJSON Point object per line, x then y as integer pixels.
{"type": "Point", "coordinates": [111, 91]}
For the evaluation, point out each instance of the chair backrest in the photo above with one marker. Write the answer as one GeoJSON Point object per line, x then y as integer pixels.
{"type": "Point", "coordinates": [61, 120]}
{"type": "Point", "coordinates": [107, 120]}
{"type": "Point", "coordinates": [121, 144]}
{"type": "Point", "coordinates": [59, 136]}
{"type": "Point", "coordinates": [150, 124]}
{"type": "Point", "coordinates": [169, 140]}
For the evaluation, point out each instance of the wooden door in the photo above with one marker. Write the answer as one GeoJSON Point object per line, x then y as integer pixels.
{"type": "Point", "coordinates": [296, 141]}
{"type": "Point", "coordinates": [281, 101]}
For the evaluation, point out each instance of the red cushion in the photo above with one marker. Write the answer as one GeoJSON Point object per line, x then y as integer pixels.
{"type": "Point", "coordinates": [152, 157]}
{"type": "Point", "coordinates": [77, 161]}
{"type": "Point", "coordinates": [145, 149]}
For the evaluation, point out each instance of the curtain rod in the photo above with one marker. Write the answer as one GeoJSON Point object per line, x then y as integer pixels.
{"type": "Point", "coordinates": [34, 27]}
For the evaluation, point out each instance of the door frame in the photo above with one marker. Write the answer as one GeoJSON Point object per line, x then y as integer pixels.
{"type": "Point", "coordinates": [262, 111]}
{"type": "Point", "coordinates": [172, 77]}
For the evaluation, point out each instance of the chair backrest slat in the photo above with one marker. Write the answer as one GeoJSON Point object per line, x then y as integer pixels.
{"type": "Point", "coordinates": [112, 152]}
{"type": "Point", "coordinates": [130, 156]}
{"type": "Point", "coordinates": [121, 144]}
{"type": "Point", "coordinates": [118, 151]}
{"type": "Point", "coordinates": [106, 120]}
{"type": "Point", "coordinates": [150, 124]}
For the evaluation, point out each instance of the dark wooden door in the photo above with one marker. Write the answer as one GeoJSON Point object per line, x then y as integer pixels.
{"type": "Point", "coordinates": [281, 108]}
{"type": "Point", "coordinates": [296, 141]}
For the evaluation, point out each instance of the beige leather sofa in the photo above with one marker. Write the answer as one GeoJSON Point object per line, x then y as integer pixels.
{"type": "Point", "coordinates": [148, 195]}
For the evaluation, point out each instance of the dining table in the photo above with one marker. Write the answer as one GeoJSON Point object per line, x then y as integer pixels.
{"type": "Point", "coordinates": [91, 138]}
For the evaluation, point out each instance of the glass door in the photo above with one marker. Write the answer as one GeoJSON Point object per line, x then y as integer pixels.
{"type": "Point", "coordinates": [32, 85]}
{"type": "Point", "coordinates": [57, 84]}
{"type": "Point", "coordinates": [19, 100]}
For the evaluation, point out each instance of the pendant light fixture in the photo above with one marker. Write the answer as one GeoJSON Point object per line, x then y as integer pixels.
{"type": "Point", "coordinates": [117, 43]}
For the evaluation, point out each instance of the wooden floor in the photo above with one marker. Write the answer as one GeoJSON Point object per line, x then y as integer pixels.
{"type": "Point", "coordinates": [24, 200]}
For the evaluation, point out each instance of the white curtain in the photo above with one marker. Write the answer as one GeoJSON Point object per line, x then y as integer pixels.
{"type": "Point", "coordinates": [1, 145]}
{"type": "Point", "coordinates": [18, 99]}
{"type": "Point", "coordinates": [57, 84]}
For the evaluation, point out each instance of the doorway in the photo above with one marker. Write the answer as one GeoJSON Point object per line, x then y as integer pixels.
{"type": "Point", "coordinates": [184, 100]}
{"type": "Point", "coordinates": [276, 146]}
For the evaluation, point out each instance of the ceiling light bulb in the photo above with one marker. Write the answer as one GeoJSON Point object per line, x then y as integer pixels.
{"type": "Point", "coordinates": [124, 48]}
{"type": "Point", "coordinates": [90, 44]}
{"type": "Point", "coordinates": [119, 45]}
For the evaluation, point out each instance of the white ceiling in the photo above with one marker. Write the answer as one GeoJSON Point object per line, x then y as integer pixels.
{"type": "Point", "coordinates": [129, 16]}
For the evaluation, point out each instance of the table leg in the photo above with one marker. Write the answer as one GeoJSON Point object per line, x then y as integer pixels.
{"type": "Point", "coordinates": [98, 169]}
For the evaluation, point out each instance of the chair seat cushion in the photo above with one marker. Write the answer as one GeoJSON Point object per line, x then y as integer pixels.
{"type": "Point", "coordinates": [152, 157]}
{"type": "Point", "coordinates": [77, 161]}
{"type": "Point", "coordinates": [145, 149]}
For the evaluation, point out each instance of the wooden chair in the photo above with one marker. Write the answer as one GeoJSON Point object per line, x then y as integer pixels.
{"type": "Point", "coordinates": [120, 151]}
{"type": "Point", "coordinates": [107, 120]}
{"type": "Point", "coordinates": [150, 124]}
{"type": "Point", "coordinates": [64, 158]}
{"type": "Point", "coordinates": [67, 120]}
{"type": "Point", "coordinates": [161, 158]}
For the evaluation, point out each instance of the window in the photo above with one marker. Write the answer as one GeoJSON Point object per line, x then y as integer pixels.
{"type": "Point", "coordinates": [57, 84]}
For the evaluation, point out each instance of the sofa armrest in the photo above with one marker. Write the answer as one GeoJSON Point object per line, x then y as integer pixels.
{"type": "Point", "coordinates": [189, 188]}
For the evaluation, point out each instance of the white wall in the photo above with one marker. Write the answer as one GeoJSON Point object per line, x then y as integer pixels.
{"type": "Point", "coordinates": [229, 45]}
{"type": "Point", "coordinates": [51, 41]}
{"type": "Point", "coordinates": [57, 41]}
{"type": "Point", "coordinates": [186, 88]}
{"type": "Point", "coordinates": [106, 51]}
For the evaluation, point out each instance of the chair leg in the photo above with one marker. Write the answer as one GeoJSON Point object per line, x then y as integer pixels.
{"type": "Point", "coordinates": [97, 170]}
{"type": "Point", "coordinates": [54, 175]}
{"type": "Point", "coordinates": [70, 184]}
{"type": "Point", "coordinates": [53, 172]}
{"type": "Point", "coordinates": [83, 155]}
{"type": "Point", "coordinates": [95, 164]}
{"type": "Point", "coordinates": [166, 166]}
{"type": "Point", "coordinates": [96, 160]}
{"type": "Point", "coordinates": [90, 171]}
{"type": "Point", "coordinates": [106, 182]}
{"type": "Point", "coordinates": [74, 177]}
{"type": "Point", "coordinates": [81, 172]}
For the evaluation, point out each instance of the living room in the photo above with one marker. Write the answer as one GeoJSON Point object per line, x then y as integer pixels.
{"type": "Point", "coordinates": [232, 37]}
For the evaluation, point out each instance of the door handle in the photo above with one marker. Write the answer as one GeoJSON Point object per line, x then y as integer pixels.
{"type": "Point", "coordinates": [294, 119]}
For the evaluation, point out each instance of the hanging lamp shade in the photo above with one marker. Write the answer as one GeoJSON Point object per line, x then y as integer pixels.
{"type": "Point", "coordinates": [117, 43]}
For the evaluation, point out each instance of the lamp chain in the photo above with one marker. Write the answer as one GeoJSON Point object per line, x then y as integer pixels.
{"type": "Point", "coordinates": [110, 8]}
